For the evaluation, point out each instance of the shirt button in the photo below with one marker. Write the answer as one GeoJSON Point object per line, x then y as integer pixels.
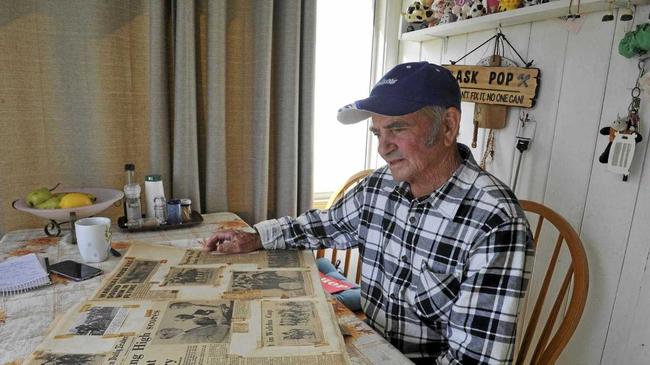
{"type": "Point", "coordinates": [393, 296]}
{"type": "Point", "coordinates": [405, 259]}
{"type": "Point", "coordinates": [412, 220]}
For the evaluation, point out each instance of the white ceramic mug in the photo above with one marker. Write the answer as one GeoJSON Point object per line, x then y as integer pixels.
{"type": "Point", "coordinates": [93, 238]}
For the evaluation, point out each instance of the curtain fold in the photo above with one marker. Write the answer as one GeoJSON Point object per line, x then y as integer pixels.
{"type": "Point", "coordinates": [242, 128]}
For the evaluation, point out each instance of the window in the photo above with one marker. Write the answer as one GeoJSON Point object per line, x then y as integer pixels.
{"type": "Point", "coordinates": [343, 70]}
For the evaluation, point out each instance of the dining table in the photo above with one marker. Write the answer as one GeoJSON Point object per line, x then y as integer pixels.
{"type": "Point", "coordinates": [25, 318]}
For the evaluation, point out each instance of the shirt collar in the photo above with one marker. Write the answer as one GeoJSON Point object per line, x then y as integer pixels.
{"type": "Point", "coordinates": [448, 197]}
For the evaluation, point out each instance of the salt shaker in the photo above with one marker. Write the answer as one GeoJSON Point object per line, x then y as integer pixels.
{"type": "Point", "coordinates": [153, 188]}
{"type": "Point", "coordinates": [160, 209]}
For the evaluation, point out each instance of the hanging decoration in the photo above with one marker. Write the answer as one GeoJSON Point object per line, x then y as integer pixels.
{"type": "Point", "coordinates": [494, 85]}
{"type": "Point", "coordinates": [624, 133]}
{"type": "Point", "coordinates": [572, 15]}
{"type": "Point", "coordinates": [635, 42]}
{"type": "Point", "coordinates": [524, 138]}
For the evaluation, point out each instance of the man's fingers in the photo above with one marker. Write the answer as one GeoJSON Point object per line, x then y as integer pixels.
{"type": "Point", "coordinates": [232, 241]}
{"type": "Point", "coordinates": [217, 238]}
{"type": "Point", "coordinates": [227, 247]}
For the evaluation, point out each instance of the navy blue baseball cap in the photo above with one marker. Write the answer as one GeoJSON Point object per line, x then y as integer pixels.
{"type": "Point", "coordinates": [407, 88]}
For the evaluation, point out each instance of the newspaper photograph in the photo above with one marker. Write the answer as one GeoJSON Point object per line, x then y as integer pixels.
{"type": "Point", "coordinates": [182, 276]}
{"type": "Point", "coordinates": [195, 322]}
{"type": "Point", "coordinates": [290, 323]}
{"type": "Point", "coordinates": [99, 321]}
{"type": "Point", "coordinates": [131, 281]}
{"type": "Point", "coordinates": [263, 259]}
{"type": "Point", "coordinates": [264, 284]}
{"type": "Point", "coordinates": [47, 358]}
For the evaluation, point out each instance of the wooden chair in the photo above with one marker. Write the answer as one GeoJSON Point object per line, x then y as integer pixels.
{"type": "Point", "coordinates": [338, 194]}
{"type": "Point", "coordinates": [563, 317]}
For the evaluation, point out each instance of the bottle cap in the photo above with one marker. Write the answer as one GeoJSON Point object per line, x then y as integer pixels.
{"type": "Point", "coordinates": [153, 177]}
{"type": "Point", "coordinates": [186, 201]}
{"type": "Point", "coordinates": [129, 167]}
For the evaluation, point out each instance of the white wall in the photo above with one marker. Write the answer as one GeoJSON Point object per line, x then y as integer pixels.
{"type": "Point", "coordinates": [584, 85]}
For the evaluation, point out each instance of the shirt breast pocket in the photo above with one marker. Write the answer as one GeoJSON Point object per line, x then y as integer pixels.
{"type": "Point", "coordinates": [433, 292]}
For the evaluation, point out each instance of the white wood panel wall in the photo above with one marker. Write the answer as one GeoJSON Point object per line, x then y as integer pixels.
{"type": "Point", "coordinates": [585, 83]}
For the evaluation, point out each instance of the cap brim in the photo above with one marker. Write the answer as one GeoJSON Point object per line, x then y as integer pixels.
{"type": "Point", "coordinates": [349, 114]}
{"type": "Point", "coordinates": [363, 109]}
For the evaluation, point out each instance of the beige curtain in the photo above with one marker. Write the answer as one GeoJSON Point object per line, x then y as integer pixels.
{"type": "Point", "coordinates": [214, 95]}
{"type": "Point", "coordinates": [74, 79]}
{"type": "Point", "coordinates": [232, 104]}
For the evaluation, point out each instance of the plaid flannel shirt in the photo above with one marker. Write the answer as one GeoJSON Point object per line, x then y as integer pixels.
{"type": "Point", "coordinates": [441, 275]}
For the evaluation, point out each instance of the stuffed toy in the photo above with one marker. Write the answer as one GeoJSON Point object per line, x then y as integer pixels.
{"type": "Point", "coordinates": [460, 9]}
{"type": "Point", "coordinates": [533, 2]}
{"type": "Point", "coordinates": [491, 6]}
{"type": "Point", "coordinates": [418, 15]}
{"type": "Point", "coordinates": [448, 16]}
{"type": "Point", "coordinates": [623, 125]}
{"type": "Point", "coordinates": [505, 5]}
{"type": "Point", "coordinates": [476, 9]}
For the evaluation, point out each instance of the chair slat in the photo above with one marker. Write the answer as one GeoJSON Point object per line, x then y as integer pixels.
{"type": "Point", "coordinates": [346, 264]}
{"type": "Point", "coordinates": [358, 278]}
{"type": "Point", "coordinates": [532, 325]}
{"type": "Point", "coordinates": [538, 230]}
{"type": "Point", "coordinates": [550, 322]}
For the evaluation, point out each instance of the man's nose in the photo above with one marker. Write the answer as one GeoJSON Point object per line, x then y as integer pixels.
{"type": "Point", "coordinates": [385, 146]}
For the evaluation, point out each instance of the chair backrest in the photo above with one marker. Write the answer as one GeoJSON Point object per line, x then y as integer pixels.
{"type": "Point", "coordinates": [338, 194]}
{"type": "Point", "coordinates": [544, 345]}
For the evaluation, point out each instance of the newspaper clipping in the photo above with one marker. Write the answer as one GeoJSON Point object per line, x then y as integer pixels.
{"type": "Point", "coordinates": [265, 284]}
{"type": "Point", "coordinates": [48, 358]}
{"type": "Point", "coordinates": [99, 321]}
{"type": "Point", "coordinates": [181, 276]}
{"type": "Point", "coordinates": [195, 322]}
{"type": "Point", "coordinates": [263, 259]}
{"type": "Point", "coordinates": [131, 280]}
{"type": "Point", "coordinates": [290, 323]}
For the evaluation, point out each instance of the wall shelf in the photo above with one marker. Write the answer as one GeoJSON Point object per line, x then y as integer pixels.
{"type": "Point", "coordinates": [553, 9]}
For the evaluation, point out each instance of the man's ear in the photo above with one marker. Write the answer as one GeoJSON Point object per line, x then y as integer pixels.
{"type": "Point", "coordinates": [450, 126]}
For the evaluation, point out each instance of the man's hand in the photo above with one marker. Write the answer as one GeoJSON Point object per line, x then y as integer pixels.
{"type": "Point", "coordinates": [233, 241]}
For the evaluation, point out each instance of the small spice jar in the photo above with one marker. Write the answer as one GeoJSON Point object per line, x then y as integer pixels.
{"type": "Point", "coordinates": [174, 212]}
{"type": "Point", "coordinates": [186, 210]}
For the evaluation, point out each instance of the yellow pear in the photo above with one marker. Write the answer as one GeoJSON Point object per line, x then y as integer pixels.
{"type": "Point", "coordinates": [74, 200]}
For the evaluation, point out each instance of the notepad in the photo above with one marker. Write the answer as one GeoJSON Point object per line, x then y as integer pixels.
{"type": "Point", "coordinates": [23, 273]}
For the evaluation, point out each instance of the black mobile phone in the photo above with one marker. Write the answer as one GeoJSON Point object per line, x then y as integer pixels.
{"type": "Point", "coordinates": [74, 270]}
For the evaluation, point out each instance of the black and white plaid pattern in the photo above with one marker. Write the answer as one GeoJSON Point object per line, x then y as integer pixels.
{"type": "Point", "coordinates": [441, 275]}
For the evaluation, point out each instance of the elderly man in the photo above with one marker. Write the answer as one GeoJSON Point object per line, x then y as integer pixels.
{"type": "Point", "coordinates": [443, 243]}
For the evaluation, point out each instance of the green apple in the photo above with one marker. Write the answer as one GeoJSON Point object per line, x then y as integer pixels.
{"type": "Point", "coordinates": [52, 203]}
{"type": "Point", "coordinates": [38, 196]}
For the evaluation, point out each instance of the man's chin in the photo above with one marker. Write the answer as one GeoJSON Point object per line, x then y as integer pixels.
{"type": "Point", "coordinates": [397, 176]}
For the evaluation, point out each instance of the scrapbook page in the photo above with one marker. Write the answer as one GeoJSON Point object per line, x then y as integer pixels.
{"type": "Point", "coordinates": [166, 305]}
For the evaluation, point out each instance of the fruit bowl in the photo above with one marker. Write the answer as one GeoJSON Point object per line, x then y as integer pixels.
{"type": "Point", "coordinates": [105, 198]}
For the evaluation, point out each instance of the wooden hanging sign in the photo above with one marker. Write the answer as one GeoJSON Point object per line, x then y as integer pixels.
{"type": "Point", "coordinates": [512, 86]}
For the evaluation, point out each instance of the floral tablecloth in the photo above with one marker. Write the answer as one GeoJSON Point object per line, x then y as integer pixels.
{"type": "Point", "coordinates": [25, 318]}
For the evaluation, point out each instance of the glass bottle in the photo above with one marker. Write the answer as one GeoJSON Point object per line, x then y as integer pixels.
{"type": "Point", "coordinates": [132, 198]}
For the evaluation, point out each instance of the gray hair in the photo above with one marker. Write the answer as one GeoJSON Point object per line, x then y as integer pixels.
{"type": "Point", "coordinates": [434, 114]}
